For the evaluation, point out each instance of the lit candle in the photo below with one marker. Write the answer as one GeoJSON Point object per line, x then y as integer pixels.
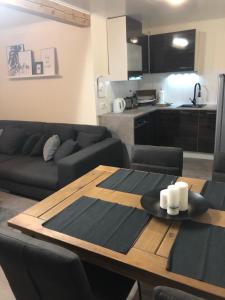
{"type": "Point", "coordinates": [183, 195]}
{"type": "Point", "coordinates": [163, 199]}
{"type": "Point", "coordinates": [173, 200]}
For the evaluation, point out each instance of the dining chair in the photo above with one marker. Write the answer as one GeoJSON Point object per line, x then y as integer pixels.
{"type": "Point", "coordinates": [40, 270]}
{"type": "Point", "coordinates": [165, 160]}
{"type": "Point", "coordinates": [167, 293]}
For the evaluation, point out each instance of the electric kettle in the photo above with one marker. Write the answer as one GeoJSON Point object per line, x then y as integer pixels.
{"type": "Point", "coordinates": [119, 105]}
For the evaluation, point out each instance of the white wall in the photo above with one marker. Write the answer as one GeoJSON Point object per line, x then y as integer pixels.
{"type": "Point", "coordinates": [179, 87]}
{"type": "Point", "coordinates": [70, 98]}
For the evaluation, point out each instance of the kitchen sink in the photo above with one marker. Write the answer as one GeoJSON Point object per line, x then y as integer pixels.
{"type": "Point", "coordinates": [192, 106]}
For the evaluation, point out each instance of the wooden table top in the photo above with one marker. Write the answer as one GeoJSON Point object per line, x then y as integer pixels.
{"type": "Point", "coordinates": [146, 261]}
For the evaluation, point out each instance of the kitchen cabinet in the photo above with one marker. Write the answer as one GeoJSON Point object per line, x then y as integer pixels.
{"type": "Point", "coordinates": [166, 127]}
{"type": "Point", "coordinates": [141, 130]}
{"type": "Point", "coordinates": [144, 40]}
{"type": "Point", "coordinates": [189, 129]}
{"type": "Point", "coordinates": [125, 51]}
{"type": "Point", "coordinates": [206, 131]}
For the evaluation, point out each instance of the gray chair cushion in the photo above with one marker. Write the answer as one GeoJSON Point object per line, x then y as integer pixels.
{"type": "Point", "coordinates": [38, 270]}
{"type": "Point", "coordinates": [168, 160]}
{"type": "Point", "coordinates": [50, 147]}
{"type": "Point", "coordinates": [32, 171]}
{"type": "Point", "coordinates": [68, 147]}
{"type": "Point", "coordinates": [11, 140]}
{"type": "Point", "coordinates": [1, 131]}
{"type": "Point", "coordinates": [167, 293]}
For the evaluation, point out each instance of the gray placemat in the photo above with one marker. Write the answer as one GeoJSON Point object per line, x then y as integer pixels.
{"type": "Point", "coordinates": [199, 253]}
{"type": "Point", "coordinates": [103, 223]}
{"type": "Point", "coordinates": [137, 182]}
{"type": "Point", "coordinates": [214, 193]}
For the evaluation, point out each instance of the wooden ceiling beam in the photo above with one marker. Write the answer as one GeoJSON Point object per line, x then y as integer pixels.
{"type": "Point", "coordinates": [51, 10]}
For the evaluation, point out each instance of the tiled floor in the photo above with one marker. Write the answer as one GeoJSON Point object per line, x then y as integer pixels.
{"type": "Point", "coordinates": [13, 204]}
{"type": "Point", "coordinates": [197, 168]}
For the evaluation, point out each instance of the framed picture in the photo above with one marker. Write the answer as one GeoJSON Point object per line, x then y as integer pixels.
{"type": "Point", "coordinates": [48, 56]}
{"type": "Point", "coordinates": [12, 53]}
{"type": "Point", "coordinates": [25, 63]}
{"type": "Point", "coordinates": [38, 68]}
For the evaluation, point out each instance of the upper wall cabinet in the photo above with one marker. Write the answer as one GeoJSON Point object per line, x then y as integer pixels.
{"type": "Point", "coordinates": [125, 48]}
{"type": "Point", "coordinates": [174, 52]}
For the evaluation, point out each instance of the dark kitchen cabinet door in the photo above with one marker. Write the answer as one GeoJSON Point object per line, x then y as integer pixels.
{"type": "Point", "coordinates": [166, 128]}
{"type": "Point", "coordinates": [144, 40]}
{"type": "Point", "coordinates": [206, 132]}
{"type": "Point", "coordinates": [187, 130]}
{"type": "Point", "coordinates": [141, 130]}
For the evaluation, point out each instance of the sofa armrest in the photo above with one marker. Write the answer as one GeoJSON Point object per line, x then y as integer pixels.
{"type": "Point", "coordinates": [159, 159]}
{"type": "Point", "coordinates": [107, 152]}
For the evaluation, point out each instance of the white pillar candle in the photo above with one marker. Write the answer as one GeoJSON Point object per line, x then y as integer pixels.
{"type": "Point", "coordinates": [173, 200]}
{"type": "Point", "coordinates": [163, 199]}
{"type": "Point", "coordinates": [173, 212]}
{"type": "Point", "coordinates": [183, 195]}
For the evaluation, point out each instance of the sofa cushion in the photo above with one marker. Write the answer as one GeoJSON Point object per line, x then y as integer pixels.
{"type": "Point", "coordinates": [38, 147]}
{"type": "Point", "coordinates": [64, 131]}
{"type": "Point", "coordinates": [86, 139]}
{"type": "Point", "coordinates": [29, 143]}
{"type": "Point", "coordinates": [12, 140]}
{"type": "Point", "coordinates": [31, 171]}
{"type": "Point", "coordinates": [68, 147]}
{"type": "Point", "coordinates": [1, 131]}
{"type": "Point", "coordinates": [50, 147]}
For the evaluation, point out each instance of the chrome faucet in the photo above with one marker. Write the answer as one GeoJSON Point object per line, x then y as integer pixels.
{"type": "Point", "coordinates": [194, 100]}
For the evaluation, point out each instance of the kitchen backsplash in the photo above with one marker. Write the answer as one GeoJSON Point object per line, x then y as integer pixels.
{"type": "Point", "coordinates": [178, 88]}
{"type": "Point", "coordinates": [121, 89]}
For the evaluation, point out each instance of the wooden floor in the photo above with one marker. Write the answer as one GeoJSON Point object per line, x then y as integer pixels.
{"type": "Point", "coordinates": [192, 168]}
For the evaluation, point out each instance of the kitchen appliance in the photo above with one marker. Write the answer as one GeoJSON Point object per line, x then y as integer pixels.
{"type": "Point", "coordinates": [119, 105]}
{"type": "Point", "coordinates": [146, 97]}
{"type": "Point", "coordinates": [131, 102]}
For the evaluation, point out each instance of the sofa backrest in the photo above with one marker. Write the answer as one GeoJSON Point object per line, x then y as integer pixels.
{"type": "Point", "coordinates": [65, 131]}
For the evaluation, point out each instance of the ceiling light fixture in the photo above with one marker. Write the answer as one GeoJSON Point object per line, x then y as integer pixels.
{"type": "Point", "coordinates": [180, 43]}
{"type": "Point", "coordinates": [134, 40]}
{"type": "Point", "coordinates": [176, 2]}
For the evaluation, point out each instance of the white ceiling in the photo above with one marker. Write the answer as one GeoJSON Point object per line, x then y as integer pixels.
{"type": "Point", "coordinates": [155, 12]}
{"type": "Point", "coordinates": [150, 12]}
{"type": "Point", "coordinates": [12, 18]}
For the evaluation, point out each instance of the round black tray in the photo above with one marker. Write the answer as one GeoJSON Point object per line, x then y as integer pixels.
{"type": "Point", "coordinates": [197, 205]}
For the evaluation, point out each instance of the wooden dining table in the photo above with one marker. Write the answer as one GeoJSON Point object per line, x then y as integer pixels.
{"type": "Point", "coordinates": [146, 261]}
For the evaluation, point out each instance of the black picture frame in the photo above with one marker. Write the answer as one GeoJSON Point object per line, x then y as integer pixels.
{"type": "Point", "coordinates": [38, 68]}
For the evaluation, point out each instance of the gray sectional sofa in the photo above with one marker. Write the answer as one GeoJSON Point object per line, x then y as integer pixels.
{"type": "Point", "coordinates": [32, 177]}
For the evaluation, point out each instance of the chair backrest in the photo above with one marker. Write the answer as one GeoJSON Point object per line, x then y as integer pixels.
{"type": "Point", "coordinates": [167, 293]}
{"type": "Point", "coordinates": [37, 270]}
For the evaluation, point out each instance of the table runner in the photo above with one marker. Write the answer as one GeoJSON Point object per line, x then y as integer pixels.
{"type": "Point", "coordinates": [107, 224]}
{"type": "Point", "coordinates": [137, 182]}
{"type": "Point", "coordinates": [199, 252]}
{"type": "Point", "coordinates": [214, 193]}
